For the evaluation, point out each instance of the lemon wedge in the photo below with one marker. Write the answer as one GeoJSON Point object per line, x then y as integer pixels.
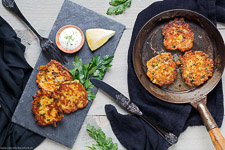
{"type": "Point", "coordinates": [97, 37]}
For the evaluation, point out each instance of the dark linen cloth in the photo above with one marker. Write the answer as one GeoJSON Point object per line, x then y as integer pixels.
{"type": "Point", "coordinates": [135, 134]}
{"type": "Point", "coordinates": [14, 73]}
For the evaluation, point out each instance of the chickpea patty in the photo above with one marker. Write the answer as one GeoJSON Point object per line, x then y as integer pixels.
{"type": "Point", "coordinates": [177, 35]}
{"type": "Point", "coordinates": [72, 96]}
{"type": "Point", "coordinates": [51, 75]}
{"type": "Point", "coordinates": [196, 67]}
{"type": "Point", "coordinates": [162, 69]}
{"type": "Point", "coordinates": [46, 108]}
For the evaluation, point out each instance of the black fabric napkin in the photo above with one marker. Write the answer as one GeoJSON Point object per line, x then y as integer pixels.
{"type": "Point", "coordinates": [14, 73]}
{"type": "Point", "coordinates": [135, 134]}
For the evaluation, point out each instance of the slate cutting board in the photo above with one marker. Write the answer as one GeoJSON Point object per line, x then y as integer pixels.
{"type": "Point", "coordinates": [67, 130]}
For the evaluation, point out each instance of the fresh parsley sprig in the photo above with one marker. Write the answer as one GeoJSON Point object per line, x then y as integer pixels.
{"type": "Point", "coordinates": [99, 136]}
{"type": "Point", "coordinates": [119, 6]}
{"type": "Point", "coordinates": [95, 68]}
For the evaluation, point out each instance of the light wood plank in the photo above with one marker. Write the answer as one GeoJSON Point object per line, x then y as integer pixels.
{"type": "Point", "coordinates": [194, 138]}
{"type": "Point", "coordinates": [220, 25]}
{"type": "Point", "coordinates": [42, 13]}
{"type": "Point", "coordinates": [83, 138]}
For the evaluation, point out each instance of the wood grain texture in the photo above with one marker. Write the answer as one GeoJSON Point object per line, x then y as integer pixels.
{"type": "Point", "coordinates": [217, 139]}
{"type": "Point", "coordinates": [42, 14]}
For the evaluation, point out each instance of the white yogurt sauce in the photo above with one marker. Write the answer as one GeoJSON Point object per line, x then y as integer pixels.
{"type": "Point", "coordinates": [70, 38]}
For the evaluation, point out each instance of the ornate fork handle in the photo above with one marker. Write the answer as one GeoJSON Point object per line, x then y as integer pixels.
{"type": "Point", "coordinates": [11, 4]}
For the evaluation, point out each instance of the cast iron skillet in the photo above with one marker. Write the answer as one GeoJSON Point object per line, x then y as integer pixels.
{"type": "Point", "coordinates": [149, 43]}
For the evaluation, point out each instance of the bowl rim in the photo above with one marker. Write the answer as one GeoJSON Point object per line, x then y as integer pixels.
{"type": "Point", "coordinates": [59, 44]}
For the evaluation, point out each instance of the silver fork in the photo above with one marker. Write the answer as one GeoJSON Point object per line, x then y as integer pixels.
{"type": "Point", "coordinates": [47, 46]}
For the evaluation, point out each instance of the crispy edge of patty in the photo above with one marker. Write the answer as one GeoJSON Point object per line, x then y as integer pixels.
{"type": "Point", "coordinates": [207, 64]}
{"type": "Point", "coordinates": [154, 74]}
{"type": "Point", "coordinates": [63, 71]}
{"type": "Point", "coordinates": [36, 105]}
{"type": "Point", "coordinates": [79, 96]}
{"type": "Point", "coordinates": [180, 40]}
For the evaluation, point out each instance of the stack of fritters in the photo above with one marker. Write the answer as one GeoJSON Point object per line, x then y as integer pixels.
{"type": "Point", "coordinates": [177, 35]}
{"type": "Point", "coordinates": [57, 94]}
{"type": "Point", "coordinates": [196, 67]}
{"type": "Point", "coordinates": [162, 69]}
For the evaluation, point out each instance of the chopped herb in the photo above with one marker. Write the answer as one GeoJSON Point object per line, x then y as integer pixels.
{"type": "Point", "coordinates": [69, 38]}
{"type": "Point", "coordinates": [46, 70]}
{"type": "Point", "coordinates": [56, 99]}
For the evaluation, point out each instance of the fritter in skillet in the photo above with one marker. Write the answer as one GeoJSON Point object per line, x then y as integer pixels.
{"type": "Point", "coordinates": [72, 96]}
{"type": "Point", "coordinates": [51, 75]}
{"type": "Point", "coordinates": [46, 108]}
{"type": "Point", "coordinates": [196, 67]}
{"type": "Point", "coordinates": [177, 35]}
{"type": "Point", "coordinates": [162, 69]}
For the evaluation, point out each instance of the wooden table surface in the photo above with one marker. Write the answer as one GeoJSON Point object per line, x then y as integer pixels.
{"type": "Point", "coordinates": [42, 14]}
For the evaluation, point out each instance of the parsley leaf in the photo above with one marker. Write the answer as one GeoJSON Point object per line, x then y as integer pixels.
{"type": "Point", "coordinates": [99, 136]}
{"type": "Point", "coordinates": [119, 6]}
{"type": "Point", "coordinates": [95, 68]}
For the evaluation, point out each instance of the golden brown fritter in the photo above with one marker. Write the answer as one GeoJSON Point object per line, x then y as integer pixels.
{"type": "Point", "coordinates": [72, 96]}
{"type": "Point", "coordinates": [196, 67]}
{"type": "Point", "coordinates": [46, 108]}
{"type": "Point", "coordinates": [177, 35]}
{"type": "Point", "coordinates": [162, 69]}
{"type": "Point", "coordinates": [51, 75]}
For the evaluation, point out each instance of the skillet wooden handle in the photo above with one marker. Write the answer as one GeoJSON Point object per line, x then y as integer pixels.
{"type": "Point", "coordinates": [210, 124]}
{"type": "Point", "coordinates": [217, 139]}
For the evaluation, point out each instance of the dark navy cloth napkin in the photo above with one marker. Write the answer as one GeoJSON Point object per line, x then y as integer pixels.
{"type": "Point", "coordinates": [135, 134]}
{"type": "Point", "coordinates": [14, 73]}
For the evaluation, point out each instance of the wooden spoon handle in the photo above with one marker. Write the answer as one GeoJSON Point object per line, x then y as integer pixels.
{"type": "Point", "coordinates": [217, 139]}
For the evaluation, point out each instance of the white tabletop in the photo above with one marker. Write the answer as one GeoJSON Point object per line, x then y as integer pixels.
{"type": "Point", "coordinates": [42, 14]}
